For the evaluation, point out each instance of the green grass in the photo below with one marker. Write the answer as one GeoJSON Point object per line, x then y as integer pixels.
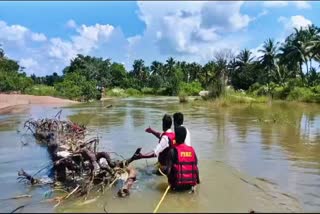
{"type": "Point", "coordinates": [41, 90]}
{"type": "Point", "coordinates": [119, 92]}
{"type": "Point", "coordinates": [236, 97]}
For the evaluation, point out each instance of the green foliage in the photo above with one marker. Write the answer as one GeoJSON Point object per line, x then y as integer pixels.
{"type": "Point", "coordinates": [119, 92]}
{"type": "Point", "coordinates": [261, 91]}
{"type": "Point", "coordinates": [10, 77]}
{"type": "Point", "coordinates": [133, 92]}
{"type": "Point", "coordinates": [76, 87]}
{"type": "Point", "coordinates": [41, 90]}
{"type": "Point", "coordinates": [280, 92]}
{"type": "Point", "coordinates": [149, 91]}
{"type": "Point", "coordinates": [190, 89]}
{"type": "Point", "coordinates": [183, 97]}
{"type": "Point", "coordinates": [316, 89]}
{"type": "Point", "coordinates": [304, 95]}
{"type": "Point", "coordinates": [116, 92]}
{"type": "Point", "coordinates": [215, 89]}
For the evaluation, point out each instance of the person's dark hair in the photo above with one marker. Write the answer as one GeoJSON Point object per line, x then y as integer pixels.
{"type": "Point", "coordinates": [181, 134]}
{"type": "Point", "coordinates": [178, 118]}
{"type": "Point", "coordinates": [166, 122]}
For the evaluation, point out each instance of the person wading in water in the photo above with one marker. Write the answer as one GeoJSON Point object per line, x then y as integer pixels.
{"type": "Point", "coordinates": [182, 163]}
{"type": "Point", "coordinates": [178, 121]}
{"type": "Point", "coordinates": [166, 141]}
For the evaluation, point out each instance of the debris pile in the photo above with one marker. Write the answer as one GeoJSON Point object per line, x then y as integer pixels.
{"type": "Point", "coordinates": [77, 167]}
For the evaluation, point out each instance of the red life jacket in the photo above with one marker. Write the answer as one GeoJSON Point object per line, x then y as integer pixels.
{"type": "Point", "coordinates": [162, 158]}
{"type": "Point", "coordinates": [185, 170]}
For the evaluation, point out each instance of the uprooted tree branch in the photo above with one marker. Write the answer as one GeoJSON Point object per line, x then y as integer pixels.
{"type": "Point", "coordinates": [75, 162]}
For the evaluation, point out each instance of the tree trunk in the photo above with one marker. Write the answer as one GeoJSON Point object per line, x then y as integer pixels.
{"type": "Point", "coordinates": [206, 79]}
{"type": "Point", "coordinates": [301, 72]}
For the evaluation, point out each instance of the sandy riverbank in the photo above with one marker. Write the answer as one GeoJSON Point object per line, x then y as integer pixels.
{"type": "Point", "coordinates": [10, 101]}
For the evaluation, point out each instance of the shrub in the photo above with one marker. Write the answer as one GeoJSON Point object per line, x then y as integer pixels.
{"type": "Point", "coordinates": [183, 97]}
{"type": "Point", "coordinates": [115, 92]}
{"type": "Point", "coordinates": [163, 91]}
{"type": "Point", "coordinates": [41, 90]}
{"type": "Point", "coordinates": [295, 83]}
{"type": "Point", "coordinates": [147, 90]}
{"type": "Point", "coordinates": [316, 89]}
{"type": "Point", "coordinates": [76, 87]}
{"type": "Point", "coordinates": [254, 87]}
{"type": "Point", "coordinates": [191, 89]}
{"type": "Point", "coordinates": [215, 89]}
{"type": "Point", "coordinates": [261, 91]}
{"type": "Point", "coordinates": [132, 92]}
{"type": "Point", "coordinates": [280, 92]}
{"type": "Point", "coordinates": [301, 94]}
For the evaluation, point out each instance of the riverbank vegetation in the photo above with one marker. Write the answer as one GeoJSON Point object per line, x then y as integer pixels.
{"type": "Point", "coordinates": [287, 71]}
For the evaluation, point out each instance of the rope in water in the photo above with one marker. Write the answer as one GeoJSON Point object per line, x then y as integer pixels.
{"type": "Point", "coordinates": [164, 195]}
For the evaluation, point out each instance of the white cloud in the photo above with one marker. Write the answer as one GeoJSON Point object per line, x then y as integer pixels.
{"type": "Point", "coordinates": [289, 24]}
{"type": "Point", "coordinates": [294, 22]}
{"type": "Point", "coordinates": [224, 16]}
{"type": "Point", "coordinates": [302, 5]}
{"type": "Point", "coordinates": [28, 63]}
{"type": "Point", "coordinates": [275, 3]}
{"type": "Point", "coordinates": [42, 55]}
{"type": "Point", "coordinates": [12, 33]}
{"type": "Point", "coordinates": [18, 33]}
{"type": "Point", "coordinates": [255, 51]}
{"type": "Point", "coordinates": [61, 49]}
{"type": "Point", "coordinates": [38, 37]}
{"type": "Point", "coordinates": [279, 4]}
{"type": "Point", "coordinates": [263, 13]}
{"type": "Point", "coordinates": [188, 30]}
{"type": "Point", "coordinates": [71, 24]}
{"type": "Point", "coordinates": [87, 39]}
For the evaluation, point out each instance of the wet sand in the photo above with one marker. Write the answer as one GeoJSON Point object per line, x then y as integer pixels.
{"type": "Point", "coordinates": [10, 102]}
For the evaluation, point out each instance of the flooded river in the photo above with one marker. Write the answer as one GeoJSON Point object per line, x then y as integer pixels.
{"type": "Point", "coordinates": [276, 144]}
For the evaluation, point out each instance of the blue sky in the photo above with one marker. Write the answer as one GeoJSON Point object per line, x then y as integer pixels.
{"type": "Point", "coordinates": [45, 36]}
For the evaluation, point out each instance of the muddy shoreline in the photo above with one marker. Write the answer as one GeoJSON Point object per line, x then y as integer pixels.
{"type": "Point", "coordinates": [9, 102]}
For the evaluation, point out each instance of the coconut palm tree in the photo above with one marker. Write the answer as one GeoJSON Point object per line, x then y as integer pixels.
{"type": "Point", "coordinates": [314, 43]}
{"type": "Point", "coordinates": [269, 59]}
{"type": "Point", "coordinates": [1, 52]}
{"type": "Point", "coordinates": [169, 68]}
{"type": "Point", "coordinates": [298, 48]}
{"type": "Point", "coordinates": [244, 58]}
{"type": "Point", "coordinates": [140, 71]}
{"type": "Point", "coordinates": [209, 72]}
{"type": "Point", "coordinates": [156, 68]}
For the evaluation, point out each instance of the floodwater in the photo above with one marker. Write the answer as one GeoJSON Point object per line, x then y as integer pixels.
{"type": "Point", "coordinates": [277, 145]}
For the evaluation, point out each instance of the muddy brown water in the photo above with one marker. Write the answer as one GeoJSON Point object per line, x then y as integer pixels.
{"type": "Point", "coordinates": [276, 144]}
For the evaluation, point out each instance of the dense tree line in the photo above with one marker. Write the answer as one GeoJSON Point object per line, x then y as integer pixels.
{"type": "Point", "coordinates": [283, 70]}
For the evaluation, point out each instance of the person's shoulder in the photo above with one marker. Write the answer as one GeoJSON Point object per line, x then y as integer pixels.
{"type": "Point", "coordinates": [169, 131]}
{"type": "Point", "coordinates": [164, 137]}
{"type": "Point", "coordinates": [185, 127]}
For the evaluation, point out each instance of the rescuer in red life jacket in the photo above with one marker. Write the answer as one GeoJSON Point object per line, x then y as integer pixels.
{"type": "Point", "coordinates": [177, 121]}
{"type": "Point", "coordinates": [182, 164]}
{"type": "Point", "coordinates": [166, 141]}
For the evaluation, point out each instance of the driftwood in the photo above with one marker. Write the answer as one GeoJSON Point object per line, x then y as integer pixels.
{"type": "Point", "coordinates": [75, 163]}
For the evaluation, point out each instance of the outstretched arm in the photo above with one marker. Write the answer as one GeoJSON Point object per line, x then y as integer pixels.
{"type": "Point", "coordinates": [154, 132]}
{"type": "Point", "coordinates": [137, 156]}
{"type": "Point", "coordinates": [148, 155]}
{"type": "Point", "coordinates": [164, 143]}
